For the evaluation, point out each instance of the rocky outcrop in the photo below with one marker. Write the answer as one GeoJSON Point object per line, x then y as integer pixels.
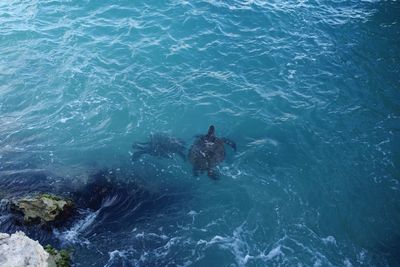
{"type": "Point", "coordinates": [18, 250]}
{"type": "Point", "coordinates": [43, 208]}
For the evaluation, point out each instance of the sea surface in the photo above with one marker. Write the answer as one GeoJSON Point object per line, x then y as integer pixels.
{"type": "Point", "coordinates": [309, 91]}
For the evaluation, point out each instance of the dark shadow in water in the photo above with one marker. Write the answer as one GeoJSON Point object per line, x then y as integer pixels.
{"type": "Point", "coordinates": [118, 203]}
{"type": "Point", "coordinates": [390, 248]}
{"type": "Point", "coordinates": [115, 204]}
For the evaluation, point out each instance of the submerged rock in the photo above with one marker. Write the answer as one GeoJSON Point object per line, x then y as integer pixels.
{"type": "Point", "coordinates": [99, 187]}
{"type": "Point", "coordinates": [43, 208]}
{"type": "Point", "coordinates": [18, 250]}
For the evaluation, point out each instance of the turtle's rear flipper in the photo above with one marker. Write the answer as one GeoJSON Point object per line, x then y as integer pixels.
{"type": "Point", "coordinates": [213, 174]}
{"type": "Point", "coordinates": [138, 154]}
{"type": "Point", "coordinates": [229, 142]}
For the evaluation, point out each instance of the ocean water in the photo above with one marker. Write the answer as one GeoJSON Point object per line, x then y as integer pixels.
{"type": "Point", "coordinates": [309, 90]}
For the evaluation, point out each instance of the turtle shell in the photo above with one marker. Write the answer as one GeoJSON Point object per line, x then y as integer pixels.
{"type": "Point", "coordinates": [204, 154]}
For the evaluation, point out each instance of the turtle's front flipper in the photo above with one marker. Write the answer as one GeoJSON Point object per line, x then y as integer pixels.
{"type": "Point", "coordinates": [140, 145]}
{"type": "Point", "coordinates": [213, 174]}
{"type": "Point", "coordinates": [229, 142]}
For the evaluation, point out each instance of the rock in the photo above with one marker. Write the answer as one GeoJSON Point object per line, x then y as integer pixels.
{"type": "Point", "coordinates": [18, 250]}
{"type": "Point", "coordinates": [43, 208]}
{"type": "Point", "coordinates": [61, 258]}
{"type": "Point", "coordinates": [99, 187]}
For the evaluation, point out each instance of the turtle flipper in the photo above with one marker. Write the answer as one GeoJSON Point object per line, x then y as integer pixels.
{"type": "Point", "coordinates": [213, 174]}
{"type": "Point", "coordinates": [229, 142]}
{"type": "Point", "coordinates": [140, 145]}
{"type": "Point", "coordinates": [138, 154]}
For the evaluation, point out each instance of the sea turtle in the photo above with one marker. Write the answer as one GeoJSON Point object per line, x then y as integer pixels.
{"type": "Point", "coordinates": [207, 152]}
{"type": "Point", "coordinates": [160, 145]}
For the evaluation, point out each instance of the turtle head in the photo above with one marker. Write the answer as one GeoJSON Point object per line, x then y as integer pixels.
{"type": "Point", "coordinates": [211, 132]}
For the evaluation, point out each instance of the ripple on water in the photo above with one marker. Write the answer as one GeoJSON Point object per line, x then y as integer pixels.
{"type": "Point", "coordinates": [308, 90]}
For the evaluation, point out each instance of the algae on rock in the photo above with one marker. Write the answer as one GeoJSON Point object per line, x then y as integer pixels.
{"type": "Point", "coordinates": [61, 258]}
{"type": "Point", "coordinates": [43, 208]}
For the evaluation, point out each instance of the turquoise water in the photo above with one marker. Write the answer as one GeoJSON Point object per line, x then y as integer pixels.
{"type": "Point", "coordinates": [309, 90]}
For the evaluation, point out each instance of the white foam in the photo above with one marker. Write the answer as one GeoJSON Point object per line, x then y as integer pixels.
{"type": "Point", "coordinates": [144, 235]}
{"type": "Point", "coordinates": [72, 235]}
{"type": "Point", "coordinates": [239, 247]}
{"type": "Point", "coordinates": [108, 201]}
{"type": "Point", "coordinates": [274, 253]}
{"type": "Point", "coordinates": [114, 255]}
{"type": "Point", "coordinates": [192, 213]}
{"type": "Point", "coordinates": [329, 240]}
{"type": "Point", "coordinates": [140, 235]}
{"type": "Point", "coordinates": [202, 242]}
{"type": "Point", "coordinates": [291, 74]}
{"type": "Point", "coordinates": [361, 256]}
{"type": "Point", "coordinates": [64, 120]}
{"type": "Point", "coordinates": [347, 263]}
{"type": "Point", "coordinates": [318, 263]}
{"type": "Point", "coordinates": [232, 171]}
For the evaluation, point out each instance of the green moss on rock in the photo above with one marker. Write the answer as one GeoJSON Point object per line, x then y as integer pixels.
{"type": "Point", "coordinates": [61, 258]}
{"type": "Point", "coordinates": [49, 196]}
{"type": "Point", "coordinates": [43, 208]}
